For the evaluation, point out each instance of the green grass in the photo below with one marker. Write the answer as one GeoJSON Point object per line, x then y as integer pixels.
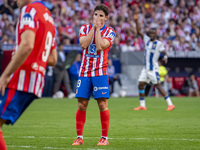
{"type": "Point", "coordinates": [50, 124]}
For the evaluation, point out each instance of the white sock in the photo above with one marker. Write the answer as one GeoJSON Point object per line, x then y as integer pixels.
{"type": "Point", "coordinates": [142, 103]}
{"type": "Point", "coordinates": [80, 137]}
{"type": "Point", "coordinates": [168, 100]}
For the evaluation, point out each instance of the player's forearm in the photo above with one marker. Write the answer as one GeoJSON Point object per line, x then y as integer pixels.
{"type": "Point", "coordinates": [52, 58]}
{"type": "Point", "coordinates": [100, 45]}
{"type": "Point", "coordinates": [138, 29]}
{"type": "Point", "coordinates": [86, 40]}
{"type": "Point", "coordinates": [18, 59]}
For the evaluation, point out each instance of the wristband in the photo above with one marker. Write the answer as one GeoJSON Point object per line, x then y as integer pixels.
{"type": "Point", "coordinates": [165, 56]}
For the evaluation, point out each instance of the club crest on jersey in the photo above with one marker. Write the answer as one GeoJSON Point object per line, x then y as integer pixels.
{"type": "Point", "coordinates": [111, 35]}
{"type": "Point", "coordinates": [27, 20]}
{"type": "Point", "coordinates": [154, 45]}
{"type": "Point", "coordinates": [92, 49]}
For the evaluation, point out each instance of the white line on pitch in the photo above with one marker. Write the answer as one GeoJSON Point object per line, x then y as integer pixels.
{"type": "Point", "coordinates": [32, 137]}
{"type": "Point", "coordinates": [35, 147]}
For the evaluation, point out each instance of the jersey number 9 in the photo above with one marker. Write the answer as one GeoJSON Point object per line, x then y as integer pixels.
{"type": "Point", "coordinates": [48, 44]}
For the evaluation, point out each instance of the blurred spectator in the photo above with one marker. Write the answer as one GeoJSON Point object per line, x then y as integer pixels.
{"type": "Point", "coordinates": [115, 50]}
{"type": "Point", "coordinates": [112, 76]}
{"type": "Point", "coordinates": [74, 72]}
{"type": "Point", "coordinates": [127, 47]}
{"type": "Point", "coordinates": [193, 86]}
{"type": "Point", "coordinates": [6, 8]}
{"type": "Point", "coordinates": [66, 31]}
{"type": "Point", "coordinates": [10, 32]}
{"type": "Point", "coordinates": [197, 48]}
{"type": "Point", "coordinates": [49, 80]}
{"type": "Point", "coordinates": [4, 39]}
{"type": "Point", "coordinates": [61, 74]}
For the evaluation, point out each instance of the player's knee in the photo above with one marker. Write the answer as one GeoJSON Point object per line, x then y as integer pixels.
{"type": "Point", "coordinates": [1, 123]}
{"type": "Point", "coordinates": [141, 86]}
{"type": "Point", "coordinates": [82, 106]}
{"type": "Point", "coordinates": [157, 86]}
{"type": "Point", "coordinates": [102, 106]}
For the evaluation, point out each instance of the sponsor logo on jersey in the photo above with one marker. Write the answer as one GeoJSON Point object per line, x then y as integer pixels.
{"type": "Point", "coordinates": [34, 66]}
{"type": "Point", "coordinates": [92, 56]}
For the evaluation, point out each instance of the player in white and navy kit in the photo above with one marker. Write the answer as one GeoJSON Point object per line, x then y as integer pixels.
{"type": "Point", "coordinates": [150, 72]}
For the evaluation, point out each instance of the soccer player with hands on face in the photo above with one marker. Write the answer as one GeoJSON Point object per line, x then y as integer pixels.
{"type": "Point", "coordinates": [95, 40]}
{"type": "Point", "coordinates": [150, 73]}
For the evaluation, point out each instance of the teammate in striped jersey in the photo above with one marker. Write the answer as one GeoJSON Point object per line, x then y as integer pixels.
{"type": "Point", "coordinates": [96, 40]}
{"type": "Point", "coordinates": [149, 73]}
{"type": "Point", "coordinates": [23, 79]}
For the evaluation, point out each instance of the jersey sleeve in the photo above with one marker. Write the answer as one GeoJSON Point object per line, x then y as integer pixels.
{"type": "Point", "coordinates": [28, 19]}
{"type": "Point", "coordinates": [146, 39]}
{"type": "Point", "coordinates": [82, 31]}
{"type": "Point", "coordinates": [54, 43]}
{"type": "Point", "coordinates": [110, 36]}
{"type": "Point", "coordinates": [162, 48]}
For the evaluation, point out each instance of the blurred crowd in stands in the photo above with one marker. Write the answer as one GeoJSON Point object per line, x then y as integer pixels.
{"type": "Point", "coordinates": [177, 21]}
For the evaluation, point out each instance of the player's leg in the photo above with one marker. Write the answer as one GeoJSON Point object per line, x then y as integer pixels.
{"type": "Point", "coordinates": [80, 120]}
{"type": "Point", "coordinates": [105, 120]}
{"type": "Point", "coordinates": [111, 83]}
{"type": "Point", "coordinates": [101, 94]}
{"type": "Point", "coordinates": [83, 93]}
{"type": "Point", "coordinates": [166, 96]}
{"type": "Point", "coordinates": [66, 81]}
{"type": "Point", "coordinates": [59, 75]}
{"type": "Point", "coordinates": [2, 141]}
{"type": "Point", "coordinates": [12, 105]}
{"type": "Point", "coordinates": [141, 96]}
{"type": "Point", "coordinates": [155, 79]}
{"type": "Point", "coordinates": [141, 87]}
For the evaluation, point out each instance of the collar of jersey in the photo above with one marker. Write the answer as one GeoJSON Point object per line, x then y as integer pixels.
{"type": "Point", "coordinates": [39, 2]}
{"type": "Point", "coordinates": [101, 28]}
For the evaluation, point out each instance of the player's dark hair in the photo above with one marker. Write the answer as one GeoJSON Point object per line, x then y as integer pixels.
{"type": "Point", "coordinates": [102, 7]}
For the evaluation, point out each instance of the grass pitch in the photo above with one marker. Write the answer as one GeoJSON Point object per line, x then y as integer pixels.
{"type": "Point", "coordinates": [49, 124]}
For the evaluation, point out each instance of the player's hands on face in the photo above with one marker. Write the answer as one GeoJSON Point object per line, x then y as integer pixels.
{"type": "Point", "coordinates": [94, 23]}
{"type": "Point", "coordinates": [3, 84]}
{"type": "Point", "coordinates": [98, 23]}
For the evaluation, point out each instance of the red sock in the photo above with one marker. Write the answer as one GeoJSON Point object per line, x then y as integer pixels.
{"type": "Point", "coordinates": [80, 121]}
{"type": "Point", "coordinates": [2, 142]}
{"type": "Point", "coordinates": [105, 120]}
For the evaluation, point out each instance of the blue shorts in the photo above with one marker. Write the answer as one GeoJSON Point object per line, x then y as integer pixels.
{"type": "Point", "coordinates": [87, 85]}
{"type": "Point", "coordinates": [13, 104]}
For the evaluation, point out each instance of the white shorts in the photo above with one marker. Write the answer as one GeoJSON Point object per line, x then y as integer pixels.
{"type": "Point", "coordinates": [149, 76]}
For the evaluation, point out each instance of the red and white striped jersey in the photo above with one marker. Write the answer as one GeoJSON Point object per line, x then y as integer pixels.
{"type": "Point", "coordinates": [29, 77]}
{"type": "Point", "coordinates": [94, 63]}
